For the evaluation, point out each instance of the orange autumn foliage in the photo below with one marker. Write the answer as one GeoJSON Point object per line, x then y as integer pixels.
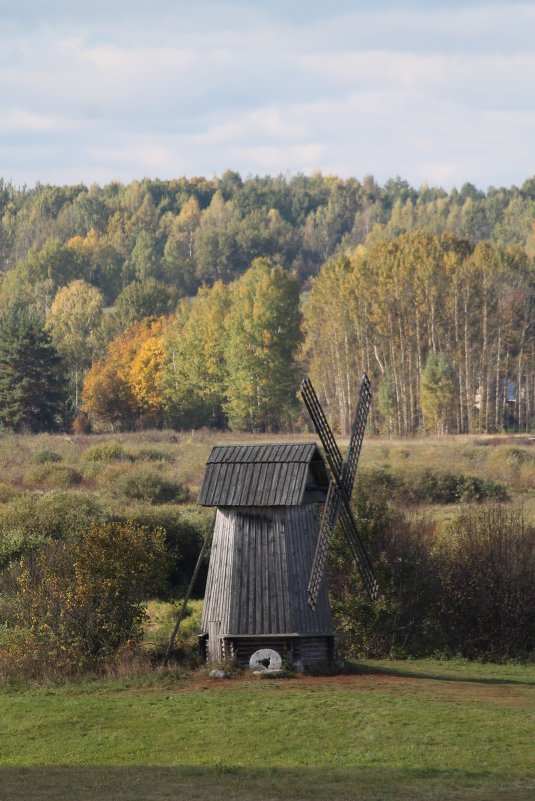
{"type": "Point", "coordinates": [125, 384]}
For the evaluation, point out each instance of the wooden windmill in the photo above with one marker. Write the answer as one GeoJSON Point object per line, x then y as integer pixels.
{"type": "Point", "coordinates": [266, 584]}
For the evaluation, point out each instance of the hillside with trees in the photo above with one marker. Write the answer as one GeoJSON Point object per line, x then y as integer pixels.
{"type": "Point", "coordinates": [198, 302]}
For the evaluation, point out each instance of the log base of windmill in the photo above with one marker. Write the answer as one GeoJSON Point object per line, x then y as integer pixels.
{"type": "Point", "coordinates": [298, 650]}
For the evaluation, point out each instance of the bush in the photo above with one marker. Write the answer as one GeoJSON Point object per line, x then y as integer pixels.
{"type": "Point", "coordinates": [468, 589]}
{"type": "Point", "coordinates": [154, 455]}
{"type": "Point", "coordinates": [470, 488]}
{"type": "Point", "coordinates": [401, 622]}
{"type": "Point", "coordinates": [142, 483]}
{"type": "Point", "coordinates": [515, 457]}
{"type": "Point", "coordinates": [487, 573]}
{"type": "Point", "coordinates": [52, 475]}
{"type": "Point", "coordinates": [106, 452]}
{"type": "Point", "coordinates": [81, 424]}
{"type": "Point", "coordinates": [430, 486]}
{"type": "Point", "coordinates": [7, 492]}
{"type": "Point", "coordinates": [79, 601]}
{"type": "Point", "coordinates": [185, 529]}
{"type": "Point", "coordinates": [30, 520]}
{"type": "Point", "coordinates": [46, 456]}
{"type": "Point", "coordinates": [161, 620]}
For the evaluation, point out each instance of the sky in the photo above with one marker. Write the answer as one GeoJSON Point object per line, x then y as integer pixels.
{"type": "Point", "coordinates": [437, 92]}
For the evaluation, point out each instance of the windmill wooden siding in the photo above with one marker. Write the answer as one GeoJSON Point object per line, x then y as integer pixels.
{"type": "Point", "coordinates": [264, 540]}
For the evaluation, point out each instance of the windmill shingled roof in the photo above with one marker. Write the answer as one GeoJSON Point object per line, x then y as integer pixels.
{"type": "Point", "coordinates": [264, 475]}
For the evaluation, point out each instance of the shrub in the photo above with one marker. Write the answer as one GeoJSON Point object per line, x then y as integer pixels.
{"type": "Point", "coordinates": [161, 620]}
{"type": "Point", "coordinates": [80, 600]}
{"type": "Point", "coordinates": [430, 486]}
{"type": "Point", "coordinates": [142, 483]}
{"type": "Point", "coordinates": [487, 574]}
{"type": "Point", "coordinates": [29, 520]}
{"type": "Point", "coordinates": [433, 487]}
{"type": "Point", "coordinates": [402, 453]}
{"type": "Point", "coordinates": [46, 456]}
{"type": "Point", "coordinates": [51, 474]}
{"type": "Point", "coordinates": [468, 589]}
{"type": "Point", "coordinates": [515, 457]}
{"type": "Point", "coordinates": [185, 529]}
{"type": "Point", "coordinates": [7, 492]}
{"type": "Point", "coordinates": [154, 455]}
{"type": "Point", "coordinates": [81, 424]}
{"type": "Point", "coordinates": [401, 622]}
{"type": "Point", "coordinates": [106, 452]}
{"type": "Point", "coordinates": [470, 488]}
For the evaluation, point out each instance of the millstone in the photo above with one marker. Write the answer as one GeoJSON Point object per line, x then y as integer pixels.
{"type": "Point", "coordinates": [266, 659]}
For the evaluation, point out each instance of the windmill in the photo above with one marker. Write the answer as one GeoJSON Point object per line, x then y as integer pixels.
{"type": "Point", "coordinates": [337, 503]}
{"type": "Point", "coordinates": [265, 532]}
{"type": "Point", "coordinates": [268, 543]}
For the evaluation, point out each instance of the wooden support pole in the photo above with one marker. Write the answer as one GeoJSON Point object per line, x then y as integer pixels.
{"type": "Point", "coordinates": [182, 612]}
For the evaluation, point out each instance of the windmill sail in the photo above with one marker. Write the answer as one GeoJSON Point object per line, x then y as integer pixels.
{"type": "Point", "coordinates": [334, 457]}
{"type": "Point", "coordinates": [328, 522]}
{"type": "Point", "coordinates": [357, 435]}
{"type": "Point", "coordinates": [340, 489]}
{"type": "Point", "coordinates": [361, 557]}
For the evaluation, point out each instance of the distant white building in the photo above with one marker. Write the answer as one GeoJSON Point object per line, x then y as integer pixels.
{"type": "Point", "coordinates": [510, 393]}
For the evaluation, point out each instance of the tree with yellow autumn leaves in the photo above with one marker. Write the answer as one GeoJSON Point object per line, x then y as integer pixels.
{"type": "Point", "coordinates": [228, 356]}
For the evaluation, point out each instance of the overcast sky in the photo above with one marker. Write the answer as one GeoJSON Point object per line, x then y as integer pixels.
{"type": "Point", "coordinates": [442, 92]}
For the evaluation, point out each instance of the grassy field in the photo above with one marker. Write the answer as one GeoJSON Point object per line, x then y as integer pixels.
{"type": "Point", "coordinates": [396, 730]}
{"type": "Point", "coordinates": [155, 476]}
{"type": "Point", "coordinates": [180, 457]}
{"type": "Point", "coordinates": [390, 731]}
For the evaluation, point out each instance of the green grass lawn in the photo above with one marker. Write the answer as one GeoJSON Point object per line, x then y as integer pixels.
{"type": "Point", "coordinates": [394, 730]}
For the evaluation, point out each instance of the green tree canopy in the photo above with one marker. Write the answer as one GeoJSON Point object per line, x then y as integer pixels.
{"type": "Point", "coordinates": [142, 299]}
{"type": "Point", "coordinates": [145, 259]}
{"type": "Point", "coordinates": [263, 334]}
{"type": "Point", "coordinates": [195, 374]}
{"type": "Point", "coordinates": [438, 392]}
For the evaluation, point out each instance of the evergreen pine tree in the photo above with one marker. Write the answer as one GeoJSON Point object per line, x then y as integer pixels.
{"type": "Point", "coordinates": [386, 402]}
{"type": "Point", "coordinates": [32, 380]}
{"type": "Point", "coordinates": [438, 392]}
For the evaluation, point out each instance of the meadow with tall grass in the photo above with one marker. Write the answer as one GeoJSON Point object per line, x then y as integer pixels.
{"type": "Point", "coordinates": [439, 516]}
{"type": "Point", "coordinates": [450, 524]}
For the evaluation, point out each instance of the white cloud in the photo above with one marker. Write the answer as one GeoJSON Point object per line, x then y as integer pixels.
{"type": "Point", "coordinates": [440, 91]}
{"type": "Point", "coordinates": [22, 121]}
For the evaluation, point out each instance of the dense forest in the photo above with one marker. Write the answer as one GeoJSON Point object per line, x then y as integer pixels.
{"type": "Point", "coordinates": [200, 302]}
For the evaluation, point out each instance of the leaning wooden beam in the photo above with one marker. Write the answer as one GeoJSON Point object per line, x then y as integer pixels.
{"type": "Point", "coordinates": [182, 612]}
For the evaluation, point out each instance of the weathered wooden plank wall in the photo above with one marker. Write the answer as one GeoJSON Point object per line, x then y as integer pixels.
{"type": "Point", "coordinates": [258, 574]}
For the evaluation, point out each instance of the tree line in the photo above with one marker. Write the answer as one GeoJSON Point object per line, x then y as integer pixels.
{"type": "Point", "coordinates": [226, 358]}
{"type": "Point", "coordinates": [186, 232]}
{"type": "Point", "coordinates": [445, 329]}
{"type": "Point", "coordinates": [442, 323]}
